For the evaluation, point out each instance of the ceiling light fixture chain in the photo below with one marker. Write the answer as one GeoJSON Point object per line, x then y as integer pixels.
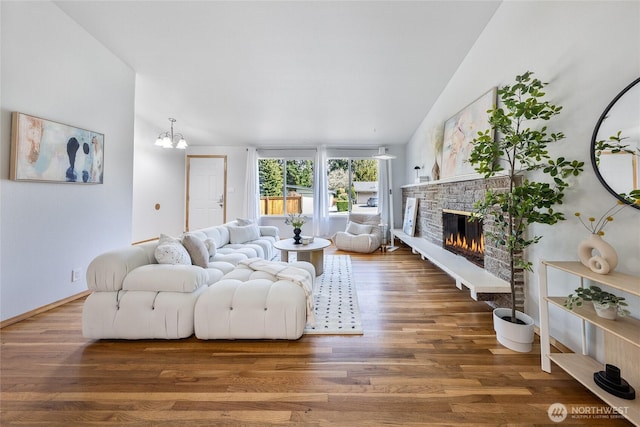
{"type": "Point", "coordinates": [168, 139]}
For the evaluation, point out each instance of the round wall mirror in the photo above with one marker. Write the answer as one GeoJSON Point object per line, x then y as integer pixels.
{"type": "Point", "coordinates": [615, 144]}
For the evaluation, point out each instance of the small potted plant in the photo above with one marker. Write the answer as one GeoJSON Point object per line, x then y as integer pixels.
{"type": "Point", "coordinates": [606, 304]}
{"type": "Point", "coordinates": [296, 220]}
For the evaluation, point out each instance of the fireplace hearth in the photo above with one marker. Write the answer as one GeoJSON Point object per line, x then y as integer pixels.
{"type": "Point", "coordinates": [463, 237]}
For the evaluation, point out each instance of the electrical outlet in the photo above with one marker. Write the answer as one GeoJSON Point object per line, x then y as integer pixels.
{"type": "Point", "coordinates": [75, 274]}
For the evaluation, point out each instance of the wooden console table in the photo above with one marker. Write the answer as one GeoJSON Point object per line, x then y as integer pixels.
{"type": "Point", "coordinates": [621, 336]}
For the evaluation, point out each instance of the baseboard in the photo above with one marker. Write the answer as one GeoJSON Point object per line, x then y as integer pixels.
{"type": "Point", "coordinates": [554, 342]}
{"type": "Point", "coordinates": [42, 309]}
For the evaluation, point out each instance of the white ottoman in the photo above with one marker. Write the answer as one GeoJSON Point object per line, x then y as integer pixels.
{"type": "Point", "coordinates": [248, 304]}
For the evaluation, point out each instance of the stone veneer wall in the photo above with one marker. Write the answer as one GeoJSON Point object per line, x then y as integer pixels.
{"type": "Point", "coordinates": [433, 197]}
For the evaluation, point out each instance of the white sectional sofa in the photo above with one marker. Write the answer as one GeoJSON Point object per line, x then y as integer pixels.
{"type": "Point", "coordinates": [240, 237]}
{"type": "Point", "coordinates": [255, 303]}
{"type": "Point", "coordinates": [137, 297]}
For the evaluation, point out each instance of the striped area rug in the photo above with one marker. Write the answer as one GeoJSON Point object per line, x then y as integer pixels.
{"type": "Point", "coordinates": [336, 300]}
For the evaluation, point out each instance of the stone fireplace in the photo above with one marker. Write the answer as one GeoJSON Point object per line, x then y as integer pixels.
{"type": "Point", "coordinates": [437, 197]}
{"type": "Point", "coordinates": [462, 236]}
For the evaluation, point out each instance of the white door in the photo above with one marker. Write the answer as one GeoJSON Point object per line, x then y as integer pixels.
{"type": "Point", "coordinates": [206, 191]}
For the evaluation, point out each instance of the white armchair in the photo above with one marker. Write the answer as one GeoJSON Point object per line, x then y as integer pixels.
{"type": "Point", "coordinates": [363, 234]}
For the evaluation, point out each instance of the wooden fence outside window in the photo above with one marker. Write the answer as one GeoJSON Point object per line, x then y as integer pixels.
{"type": "Point", "coordinates": [274, 205]}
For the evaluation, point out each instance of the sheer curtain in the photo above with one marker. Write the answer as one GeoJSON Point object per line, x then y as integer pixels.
{"type": "Point", "coordinates": [252, 195]}
{"type": "Point", "coordinates": [321, 199]}
{"type": "Point", "coordinates": [383, 195]}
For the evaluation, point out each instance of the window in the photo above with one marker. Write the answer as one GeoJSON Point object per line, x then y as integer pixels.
{"type": "Point", "coordinates": [286, 186]}
{"type": "Point", "coordinates": [353, 185]}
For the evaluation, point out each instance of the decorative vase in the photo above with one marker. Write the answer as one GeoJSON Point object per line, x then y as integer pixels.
{"type": "Point", "coordinates": [515, 336]}
{"type": "Point", "coordinates": [610, 313]}
{"type": "Point", "coordinates": [297, 240]}
{"type": "Point", "coordinates": [603, 263]}
{"type": "Point", "coordinates": [435, 171]}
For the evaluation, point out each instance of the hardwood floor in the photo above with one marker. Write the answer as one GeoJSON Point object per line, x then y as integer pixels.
{"type": "Point", "coordinates": [428, 356]}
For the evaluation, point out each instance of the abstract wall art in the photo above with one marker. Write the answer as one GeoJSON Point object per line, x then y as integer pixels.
{"type": "Point", "coordinates": [47, 151]}
{"type": "Point", "coordinates": [410, 212]}
{"type": "Point", "coordinates": [459, 132]}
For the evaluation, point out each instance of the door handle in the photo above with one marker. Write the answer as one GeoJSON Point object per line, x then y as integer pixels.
{"type": "Point", "coordinates": [221, 200]}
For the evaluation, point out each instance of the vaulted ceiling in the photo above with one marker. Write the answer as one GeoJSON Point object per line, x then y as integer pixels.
{"type": "Point", "coordinates": [287, 72]}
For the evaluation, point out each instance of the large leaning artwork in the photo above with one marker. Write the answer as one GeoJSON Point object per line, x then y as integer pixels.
{"type": "Point", "coordinates": [459, 131]}
{"type": "Point", "coordinates": [42, 150]}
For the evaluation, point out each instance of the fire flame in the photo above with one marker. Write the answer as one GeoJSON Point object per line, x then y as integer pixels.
{"type": "Point", "coordinates": [461, 242]}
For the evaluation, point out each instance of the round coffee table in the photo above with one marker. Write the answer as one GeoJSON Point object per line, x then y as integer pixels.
{"type": "Point", "coordinates": [313, 252]}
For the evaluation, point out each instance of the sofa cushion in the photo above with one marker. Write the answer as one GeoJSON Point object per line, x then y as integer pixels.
{"type": "Point", "coordinates": [219, 233]}
{"type": "Point", "coordinates": [224, 267]}
{"type": "Point", "coordinates": [209, 242]}
{"type": "Point", "coordinates": [243, 233]}
{"type": "Point", "coordinates": [107, 271]}
{"type": "Point", "coordinates": [228, 256]}
{"type": "Point", "coordinates": [197, 250]}
{"type": "Point", "coordinates": [270, 230]}
{"type": "Point", "coordinates": [139, 314]}
{"type": "Point", "coordinates": [244, 221]}
{"type": "Point", "coordinates": [166, 278]}
{"type": "Point", "coordinates": [355, 228]}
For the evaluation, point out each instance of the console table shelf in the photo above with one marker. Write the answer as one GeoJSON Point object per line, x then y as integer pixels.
{"type": "Point", "coordinates": [582, 368]}
{"type": "Point", "coordinates": [626, 328]}
{"type": "Point", "coordinates": [621, 336]}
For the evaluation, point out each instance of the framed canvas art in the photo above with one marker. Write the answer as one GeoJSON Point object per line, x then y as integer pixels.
{"type": "Point", "coordinates": [410, 212]}
{"type": "Point", "coordinates": [459, 131]}
{"type": "Point", "coordinates": [47, 151]}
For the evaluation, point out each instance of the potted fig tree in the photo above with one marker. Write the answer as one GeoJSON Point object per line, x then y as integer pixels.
{"type": "Point", "coordinates": [516, 147]}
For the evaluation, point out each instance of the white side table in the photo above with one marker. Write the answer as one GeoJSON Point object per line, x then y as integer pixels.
{"type": "Point", "coordinates": [313, 252]}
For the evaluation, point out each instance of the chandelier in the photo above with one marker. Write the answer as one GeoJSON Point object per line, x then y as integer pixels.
{"type": "Point", "coordinates": [171, 140]}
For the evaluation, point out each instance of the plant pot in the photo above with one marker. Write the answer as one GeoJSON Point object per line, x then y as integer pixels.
{"type": "Point", "coordinates": [610, 313]}
{"type": "Point", "coordinates": [342, 206]}
{"type": "Point", "coordinates": [514, 336]}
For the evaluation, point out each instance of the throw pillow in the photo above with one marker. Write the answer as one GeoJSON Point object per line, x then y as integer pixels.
{"type": "Point", "coordinates": [211, 247]}
{"type": "Point", "coordinates": [355, 228]}
{"type": "Point", "coordinates": [164, 239]}
{"type": "Point", "coordinates": [197, 250]}
{"type": "Point", "coordinates": [244, 221]}
{"type": "Point", "coordinates": [243, 234]}
{"type": "Point", "coordinates": [172, 253]}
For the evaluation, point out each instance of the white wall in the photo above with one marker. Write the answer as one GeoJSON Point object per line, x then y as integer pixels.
{"type": "Point", "coordinates": [52, 69]}
{"type": "Point", "coordinates": [158, 177]}
{"type": "Point", "coordinates": [588, 52]}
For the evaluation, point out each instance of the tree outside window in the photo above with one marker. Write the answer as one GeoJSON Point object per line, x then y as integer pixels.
{"type": "Point", "coordinates": [353, 185]}
{"type": "Point", "coordinates": [286, 186]}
